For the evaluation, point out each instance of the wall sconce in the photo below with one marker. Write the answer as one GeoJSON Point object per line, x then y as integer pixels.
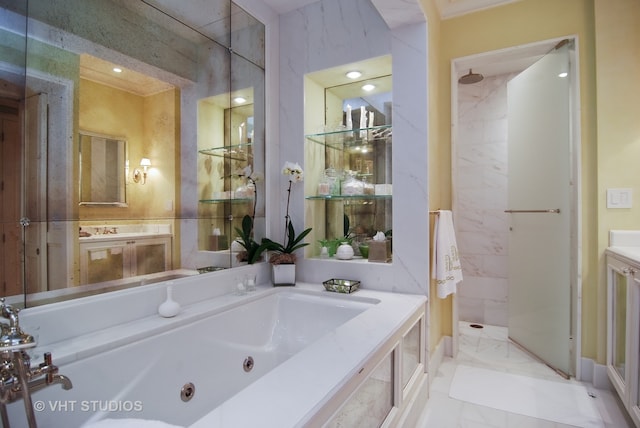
{"type": "Point", "coordinates": [138, 175]}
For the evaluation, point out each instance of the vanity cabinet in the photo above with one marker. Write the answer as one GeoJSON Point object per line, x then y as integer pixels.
{"type": "Point", "coordinates": [113, 259]}
{"type": "Point", "coordinates": [348, 184]}
{"type": "Point", "coordinates": [623, 331]}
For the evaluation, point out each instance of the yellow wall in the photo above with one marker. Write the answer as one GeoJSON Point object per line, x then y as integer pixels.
{"type": "Point", "coordinates": [514, 24]}
{"type": "Point", "coordinates": [162, 146]}
{"type": "Point", "coordinates": [210, 169]}
{"type": "Point", "coordinates": [149, 124]}
{"type": "Point", "coordinates": [617, 42]}
{"type": "Point", "coordinates": [439, 175]}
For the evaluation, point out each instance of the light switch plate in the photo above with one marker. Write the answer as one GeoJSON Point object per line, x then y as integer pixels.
{"type": "Point", "coordinates": [619, 198]}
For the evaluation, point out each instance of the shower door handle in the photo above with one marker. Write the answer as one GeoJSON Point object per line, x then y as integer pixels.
{"type": "Point", "coordinates": [550, 211]}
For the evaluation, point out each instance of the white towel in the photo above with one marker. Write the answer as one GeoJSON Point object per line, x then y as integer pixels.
{"type": "Point", "coordinates": [446, 269]}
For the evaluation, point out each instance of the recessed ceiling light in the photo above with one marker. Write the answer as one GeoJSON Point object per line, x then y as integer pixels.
{"type": "Point", "coordinates": [117, 70]}
{"type": "Point", "coordinates": [368, 87]}
{"type": "Point", "coordinates": [353, 74]}
{"type": "Point", "coordinates": [239, 100]}
{"type": "Point", "coordinates": [563, 74]}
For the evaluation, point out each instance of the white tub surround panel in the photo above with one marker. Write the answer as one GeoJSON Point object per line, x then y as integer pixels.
{"type": "Point", "coordinates": [60, 326]}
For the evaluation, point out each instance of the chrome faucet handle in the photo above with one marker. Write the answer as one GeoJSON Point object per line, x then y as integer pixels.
{"type": "Point", "coordinates": [47, 368]}
{"type": "Point", "coordinates": [12, 337]}
{"type": "Point", "coordinates": [9, 312]}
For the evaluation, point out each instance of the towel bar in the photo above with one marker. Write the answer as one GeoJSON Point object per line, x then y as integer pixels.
{"type": "Point", "coordinates": [551, 211]}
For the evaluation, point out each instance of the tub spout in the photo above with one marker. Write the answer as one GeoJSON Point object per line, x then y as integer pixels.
{"type": "Point", "coordinates": [65, 381]}
{"type": "Point", "coordinates": [43, 382]}
{"type": "Point", "coordinates": [46, 374]}
{"type": "Point", "coordinates": [14, 386]}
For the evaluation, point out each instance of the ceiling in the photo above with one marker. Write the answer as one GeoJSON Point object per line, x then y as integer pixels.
{"type": "Point", "coordinates": [488, 65]}
{"type": "Point", "coordinates": [376, 71]}
{"type": "Point", "coordinates": [507, 61]}
{"type": "Point", "coordinates": [452, 8]}
{"type": "Point", "coordinates": [284, 6]}
{"type": "Point", "coordinates": [446, 8]}
{"type": "Point", "coordinates": [101, 71]}
{"type": "Point", "coordinates": [511, 60]}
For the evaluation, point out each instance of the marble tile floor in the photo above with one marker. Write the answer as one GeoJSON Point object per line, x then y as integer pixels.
{"type": "Point", "coordinates": [490, 348]}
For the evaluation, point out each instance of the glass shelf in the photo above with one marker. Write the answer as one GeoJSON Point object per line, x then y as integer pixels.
{"type": "Point", "coordinates": [348, 197]}
{"type": "Point", "coordinates": [344, 138]}
{"type": "Point", "coordinates": [220, 201]}
{"type": "Point", "coordinates": [235, 152]}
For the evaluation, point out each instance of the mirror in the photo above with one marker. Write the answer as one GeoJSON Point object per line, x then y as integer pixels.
{"type": "Point", "coordinates": [77, 218]}
{"type": "Point", "coordinates": [102, 170]}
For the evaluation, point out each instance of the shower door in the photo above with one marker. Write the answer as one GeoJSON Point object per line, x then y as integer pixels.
{"type": "Point", "coordinates": [539, 195]}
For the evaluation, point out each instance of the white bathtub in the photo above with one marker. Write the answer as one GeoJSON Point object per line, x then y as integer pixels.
{"type": "Point", "coordinates": [306, 344]}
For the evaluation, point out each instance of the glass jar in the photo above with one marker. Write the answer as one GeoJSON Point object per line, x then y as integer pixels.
{"type": "Point", "coordinates": [333, 178]}
{"type": "Point", "coordinates": [367, 188]}
{"type": "Point", "coordinates": [352, 186]}
{"type": "Point", "coordinates": [324, 186]}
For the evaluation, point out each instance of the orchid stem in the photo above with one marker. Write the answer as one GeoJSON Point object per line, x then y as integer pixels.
{"type": "Point", "coordinates": [286, 217]}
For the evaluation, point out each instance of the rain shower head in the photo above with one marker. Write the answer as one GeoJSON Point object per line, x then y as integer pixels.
{"type": "Point", "coordinates": [470, 78]}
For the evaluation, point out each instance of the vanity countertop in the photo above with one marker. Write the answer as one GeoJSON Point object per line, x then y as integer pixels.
{"type": "Point", "coordinates": [631, 253]}
{"type": "Point", "coordinates": [625, 243]}
{"type": "Point", "coordinates": [124, 231]}
{"type": "Point", "coordinates": [119, 236]}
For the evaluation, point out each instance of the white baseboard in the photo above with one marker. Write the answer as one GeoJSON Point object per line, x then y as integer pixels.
{"type": "Point", "coordinates": [443, 349]}
{"type": "Point", "coordinates": [595, 373]}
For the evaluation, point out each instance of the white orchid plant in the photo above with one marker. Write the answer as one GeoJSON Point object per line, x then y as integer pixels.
{"type": "Point", "coordinates": [284, 253]}
{"type": "Point", "coordinates": [252, 250]}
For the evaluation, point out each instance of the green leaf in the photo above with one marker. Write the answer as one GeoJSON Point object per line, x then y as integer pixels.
{"type": "Point", "coordinates": [346, 224]}
{"type": "Point", "coordinates": [247, 225]}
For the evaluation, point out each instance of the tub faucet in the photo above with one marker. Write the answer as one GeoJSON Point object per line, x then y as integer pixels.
{"type": "Point", "coordinates": [17, 379]}
{"type": "Point", "coordinates": [12, 335]}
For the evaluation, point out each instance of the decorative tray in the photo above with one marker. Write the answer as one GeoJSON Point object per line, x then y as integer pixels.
{"type": "Point", "coordinates": [341, 285]}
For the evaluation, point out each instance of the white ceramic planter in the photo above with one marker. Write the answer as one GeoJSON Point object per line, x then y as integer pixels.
{"type": "Point", "coordinates": [345, 252]}
{"type": "Point", "coordinates": [283, 274]}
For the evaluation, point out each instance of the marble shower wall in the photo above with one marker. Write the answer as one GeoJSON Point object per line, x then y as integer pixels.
{"type": "Point", "coordinates": [480, 198]}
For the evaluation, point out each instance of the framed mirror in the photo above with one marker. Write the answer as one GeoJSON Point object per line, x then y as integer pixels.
{"type": "Point", "coordinates": [102, 170]}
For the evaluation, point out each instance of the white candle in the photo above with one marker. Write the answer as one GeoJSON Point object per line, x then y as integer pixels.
{"type": "Point", "coordinates": [363, 122]}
